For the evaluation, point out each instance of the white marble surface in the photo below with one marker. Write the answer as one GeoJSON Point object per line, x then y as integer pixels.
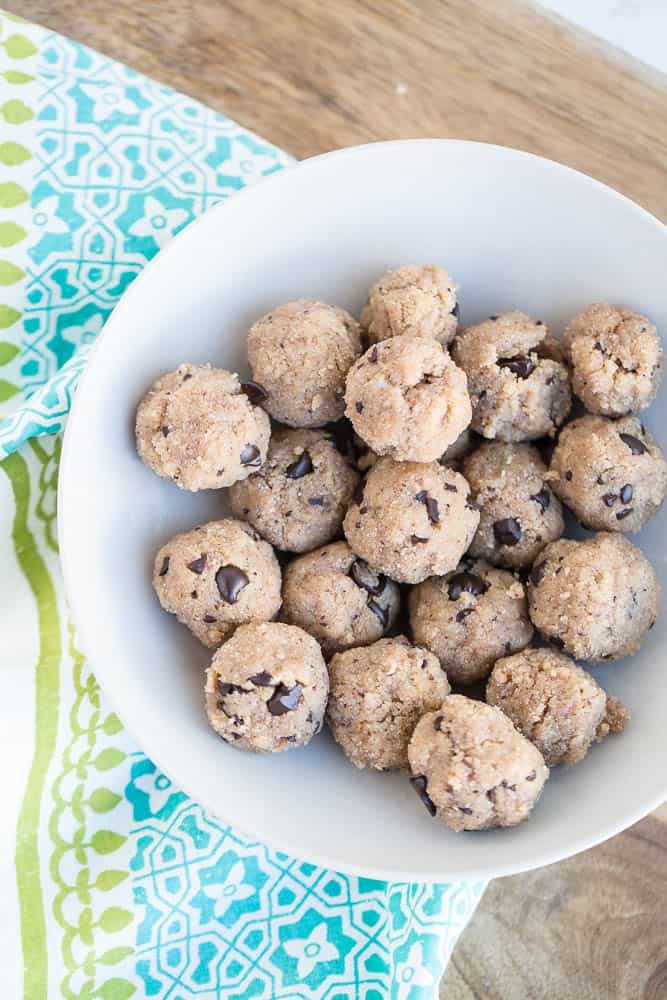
{"type": "Point", "coordinates": [637, 26]}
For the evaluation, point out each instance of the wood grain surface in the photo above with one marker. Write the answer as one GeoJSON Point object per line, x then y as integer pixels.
{"type": "Point", "coordinates": [311, 76]}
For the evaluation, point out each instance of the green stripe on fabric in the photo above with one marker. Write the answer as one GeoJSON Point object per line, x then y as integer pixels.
{"type": "Point", "coordinates": [47, 693]}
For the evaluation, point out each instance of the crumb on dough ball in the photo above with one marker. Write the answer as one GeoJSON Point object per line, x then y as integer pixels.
{"type": "Point", "coordinates": [519, 389]}
{"type": "Point", "coordinates": [378, 693]}
{"type": "Point", "coordinates": [616, 359]}
{"type": "Point", "coordinates": [407, 399]}
{"type": "Point", "coordinates": [471, 767]}
{"type": "Point", "coordinates": [555, 703]}
{"type": "Point", "coordinates": [300, 355]}
{"type": "Point", "coordinates": [418, 300]}
{"type": "Point", "coordinates": [299, 500]}
{"type": "Point", "coordinates": [610, 473]}
{"type": "Point", "coordinates": [266, 688]}
{"type": "Point", "coordinates": [216, 577]}
{"type": "Point", "coordinates": [338, 598]}
{"type": "Point", "coordinates": [594, 599]}
{"type": "Point", "coordinates": [198, 428]}
{"type": "Point", "coordinates": [469, 618]}
{"type": "Point", "coordinates": [410, 520]}
{"type": "Point", "coordinates": [519, 514]}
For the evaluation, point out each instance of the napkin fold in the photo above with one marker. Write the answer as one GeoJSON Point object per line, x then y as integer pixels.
{"type": "Point", "coordinates": [114, 882]}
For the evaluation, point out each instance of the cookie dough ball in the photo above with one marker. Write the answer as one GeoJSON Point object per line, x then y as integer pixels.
{"type": "Point", "coordinates": [266, 688]}
{"type": "Point", "coordinates": [197, 427]}
{"type": "Point", "coordinates": [407, 399]}
{"type": "Point", "coordinates": [338, 598]}
{"type": "Point", "coordinates": [298, 501]}
{"type": "Point", "coordinates": [216, 577]}
{"type": "Point", "coordinates": [519, 514]}
{"type": "Point", "coordinates": [411, 520]}
{"type": "Point", "coordinates": [415, 300]}
{"type": "Point", "coordinates": [299, 355]}
{"type": "Point", "coordinates": [554, 702]}
{"type": "Point", "coordinates": [519, 392]}
{"type": "Point", "coordinates": [616, 358]}
{"type": "Point", "coordinates": [378, 694]}
{"type": "Point", "coordinates": [469, 618]}
{"type": "Point", "coordinates": [610, 473]}
{"type": "Point", "coordinates": [594, 599]}
{"type": "Point", "coordinates": [471, 767]}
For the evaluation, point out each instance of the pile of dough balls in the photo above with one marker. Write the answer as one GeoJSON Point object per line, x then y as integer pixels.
{"type": "Point", "coordinates": [398, 490]}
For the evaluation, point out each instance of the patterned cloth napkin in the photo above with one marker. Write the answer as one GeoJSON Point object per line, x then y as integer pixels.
{"type": "Point", "coordinates": [115, 883]}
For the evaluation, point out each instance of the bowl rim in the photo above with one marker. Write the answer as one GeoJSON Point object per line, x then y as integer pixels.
{"type": "Point", "coordinates": [66, 528]}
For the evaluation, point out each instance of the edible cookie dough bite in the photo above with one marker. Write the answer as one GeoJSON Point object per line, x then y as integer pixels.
{"type": "Point", "coordinates": [555, 703]}
{"type": "Point", "coordinates": [299, 355]}
{"type": "Point", "coordinates": [519, 390]}
{"type": "Point", "coordinates": [469, 618]}
{"type": "Point", "coordinates": [418, 300]}
{"type": "Point", "coordinates": [266, 688]}
{"type": "Point", "coordinates": [216, 577]}
{"type": "Point", "coordinates": [610, 473]}
{"type": "Point", "coordinates": [411, 520]}
{"type": "Point", "coordinates": [299, 500]}
{"type": "Point", "coordinates": [595, 599]}
{"type": "Point", "coordinates": [471, 767]}
{"type": "Point", "coordinates": [616, 359]}
{"type": "Point", "coordinates": [378, 693]}
{"type": "Point", "coordinates": [338, 598]}
{"type": "Point", "coordinates": [197, 427]}
{"type": "Point", "coordinates": [407, 399]}
{"type": "Point", "coordinates": [518, 512]}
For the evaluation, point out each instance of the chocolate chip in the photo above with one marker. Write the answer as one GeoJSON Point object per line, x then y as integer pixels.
{"type": "Point", "coordinates": [363, 510]}
{"type": "Point", "coordinates": [636, 446]}
{"type": "Point", "coordinates": [251, 456]}
{"type": "Point", "coordinates": [198, 565]}
{"type": "Point", "coordinates": [380, 613]}
{"type": "Point", "coordinates": [626, 493]}
{"type": "Point", "coordinates": [165, 566]}
{"type": "Point", "coordinates": [230, 581]}
{"type": "Point", "coordinates": [431, 504]}
{"type": "Point", "coordinates": [364, 577]}
{"type": "Point", "coordinates": [219, 472]}
{"type": "Point", "coordinates": [463, 614]}
{"type": "Point", "coordinates": [622, 514]}
{"type": "Point", "coordinates": [532, 776]}
{"type": "Point", "coordinates": [187, 376]}
{"type": "Point", "coordinates": [373, 356]}
{"type": "Point", "coordinates": [359, 406]}
{"type": "Point", "coordinates": [165, 430]}
{"type": "Point", "coordinates": [262, 679]}
{"type": "Point", "coordinates": [255, 392]}
{"type": "Point", "coordinates": [419, 785]}
{"type": "Point", "coordinates": [194, 595]}
{"type": "Point", "coordinates": [539, 322]}
{"type": "Point", "coordinates": [316, 501]}
{"type": "Point", "coordinates": [469, 583]}
{"type": "Point", "coordinates": [609, 499]}
{"type": "Point", "coordinates": [437, 723]}
{"type": "Point", "coordinates": [224, 688]}
{"type": "Point", "coordinates": [303, 466]}
{"type": "Point", "coordinates": [465, 809]}
{"type": "Point", "coordinates": [543, 498]}
{"type": "Point", "coordinates": [568, 475]}
{"type": "Point", "coordinates": [455, 311]}
{"type": "Point", "coordinates": [598, 346]}
{"type": "Point", "coordinates": [209, 619]}
{"type": "Point", "coordinates": [418, 540]}
{"type": "Point", "coordinates": [493, 317]}
{"type": "Point", "coordinates": [521, 366]}
{"type": "Point", "coordinates": [284, 699]}
{"type": "Point", "coordinates": [507, 531]}
{"type": "Point", "coordinates": [470, 503]}
{"type": "Point", "coordinates": [450, 487]}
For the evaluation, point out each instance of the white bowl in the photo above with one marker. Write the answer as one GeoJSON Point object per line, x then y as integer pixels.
{"type": "Point", "coordinates": [516, 232]}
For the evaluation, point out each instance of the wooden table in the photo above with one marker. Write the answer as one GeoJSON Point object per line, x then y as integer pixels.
{"type": "Point", "coordinates": [311, 76]}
